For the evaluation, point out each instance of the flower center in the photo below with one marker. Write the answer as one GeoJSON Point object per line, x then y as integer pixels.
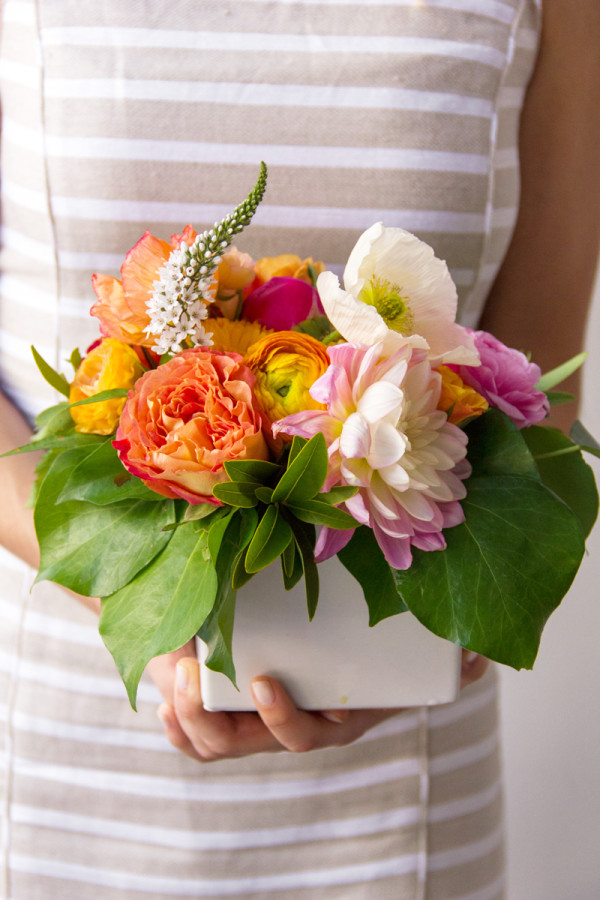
{"type": "Point", "coordinates": [389, 303]}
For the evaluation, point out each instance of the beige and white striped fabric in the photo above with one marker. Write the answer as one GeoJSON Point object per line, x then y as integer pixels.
{"type": "Point", "coordinates": [123, 116]}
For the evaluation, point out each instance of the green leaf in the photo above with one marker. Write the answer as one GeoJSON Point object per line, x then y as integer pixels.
{"type": "Point", "coordinates": [555, 398]}
{"type": "Point", "coordinates": [338, 494]}
{"type": "Point", "coordinates": [236, 493]}
{"type": "Point", "coordinates": [100, 477]}
{"type": "Point", "coordinates": [217, 630]}
{"type": "Point", "coordinates": [584, 439]}
{"type": "Point", "coordinates": [317, 326]}
{"type": "Point", "coordinates": [264, 494]}
{"type": "Point", "coordinates": [161, 609]}
{"type": "Point", "coordinates": [195, 512]}
{"type": "Point", "coordinates": [497, 447]}
{"type": "Point", "coordinates": [317, 513]}
{"type": "Point", "coordinates": [364, 560]}
{"type": "Point", "coordinates": [505, 569]}
{"type": "Point", "coordinates": [305, 474]}
{"type": "Point", "coordinates": [54, 378]}
{"type": "Point", "coordinates": [291, 566]}
{"type": "Point", "coordinates": [56, 442]}
{"type": "Point", "coordinates": [564, 471]}
{"type": "Point", "coordinates": [258, 470]}
{"type": "Point", "coordinates": [75, 358]}
{"type": "Point", "coordinates": [560, 373]}
{"type": "Point", "coordinates": [270, 540]}
{"type": "Point", "coordinates": [95, 550]}
{"type": "Point", "coordinates": [53, 420]}
{"type": "Point", "coordinates": [304, 536]}
{"type": "Point", "coordinates": [112, 394]}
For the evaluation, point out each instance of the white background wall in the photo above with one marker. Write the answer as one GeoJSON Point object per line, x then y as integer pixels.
{"type": "Point", "coordinates": [551, 726]}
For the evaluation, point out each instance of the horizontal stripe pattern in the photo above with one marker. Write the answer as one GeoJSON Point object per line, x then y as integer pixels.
{"type": "Point", "coordinates": [403, 111]}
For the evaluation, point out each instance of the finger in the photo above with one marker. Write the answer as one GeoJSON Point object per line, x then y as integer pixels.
{"type": "Point", "coordinates": [175, 734]}
{"type": "Point", "coordinates": [162, 670]}
{"type": "Point", "coordinates": [473, 667]}
{"type": "Point", "coordinates": [215, 735]}
{"type": "Point", "coordinates": [295, 729]}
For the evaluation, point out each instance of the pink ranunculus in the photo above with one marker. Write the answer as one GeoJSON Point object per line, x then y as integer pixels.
{"type": "Point", "coordinates": [282, 303]}
{"type": "Point", "coordinates": [183, 420]}
{"type": "Point", "coordinates": [386, 436]}
{"type": "Point", "coordinates": [507, 380]}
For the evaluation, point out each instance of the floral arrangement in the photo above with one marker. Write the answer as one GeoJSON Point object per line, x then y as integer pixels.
{"type": "Point", "coordinates": [236, 412]}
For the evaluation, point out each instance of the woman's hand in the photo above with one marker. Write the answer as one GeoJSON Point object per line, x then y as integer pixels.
{"type": "Point", "coordinates": [277, 725]}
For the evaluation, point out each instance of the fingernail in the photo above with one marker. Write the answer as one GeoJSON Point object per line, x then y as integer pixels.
{"type": "Point", "coordinates": [181, 677]}
{"type": "Point", "coordinates": [471, 657]}
{"type": "Point", "coordinates": [263, 692]}
{"type": "Point", "coordinates": [335, 715]}
{"type": "Point", "coordinates": [164, 714]}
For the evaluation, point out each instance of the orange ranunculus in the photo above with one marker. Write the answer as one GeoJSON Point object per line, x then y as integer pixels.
{"type": "Point", "coordinates": [463, 401]}
{"type": "Point", "coordinates": [121, 305]}
{"type": "Point", "coordinates": [185, 419]}
{"type": "Point", "coordinates": [288, 265]}
{"type": "Point", "coordinates": [286, 364]}
{"type": "Point", "coordinates": [234, 274]}
{"type": "Point", "coordinates": [110, 364]}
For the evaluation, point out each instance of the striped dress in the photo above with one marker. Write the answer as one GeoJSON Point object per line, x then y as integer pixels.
{"type": "Point", "coordinates": [119, 117]}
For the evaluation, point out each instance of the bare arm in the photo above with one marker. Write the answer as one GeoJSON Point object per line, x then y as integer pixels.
{"type": "Point", "coordinates": [540, 298]}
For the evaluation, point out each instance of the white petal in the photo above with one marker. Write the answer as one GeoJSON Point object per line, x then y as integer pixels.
{"type": "Point", "coordinates": [355, 321]}
{"type": "Point", "coordinates": [381, 400]}
{"type": "Point", "coordinates": [355, 439]}
{"type": "Point", "coordinates": [387, 445]}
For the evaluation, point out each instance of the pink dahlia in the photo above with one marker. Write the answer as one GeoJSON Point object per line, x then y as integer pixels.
{"type": "Point", "coordinates": [387, 437]}
{"type": "Point", "coordinates": [507, 380]}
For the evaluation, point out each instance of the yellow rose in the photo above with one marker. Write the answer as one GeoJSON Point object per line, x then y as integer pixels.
{"type": "Point", "coordinates": [111, 364]}
{"type": "Point", "coordinates": [463, 401]}
{"type": "Point", "coordinates": [286, 364]}
{"type": "Point", "coordinates": [288, 265]}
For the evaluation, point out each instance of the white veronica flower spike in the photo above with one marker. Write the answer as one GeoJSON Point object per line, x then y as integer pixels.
{"type": "Point", "coordinates": [397, 291]}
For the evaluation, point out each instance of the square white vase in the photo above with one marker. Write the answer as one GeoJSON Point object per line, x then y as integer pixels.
{"type": "Point", "coordinates": [336, 660]}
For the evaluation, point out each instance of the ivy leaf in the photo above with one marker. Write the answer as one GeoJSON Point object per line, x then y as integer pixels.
{"type": "Point", "coordinates": [497, 447]}
{"type": "Point", "coordinates": [161, 609]}
{"type": "Point", "coordinates": [100, 478]}
{"type": "Point", "coordinates": [269, 541]}
{"type": "Point", "coordinates": [305, 474]}
{"type": "Point", "coordinates": [54, 378]}
{"type": "Point", "coordinates": [95, 550]}
{"type": "Point", "coordinates": [364, 560]}
{"type": "Point", "coordinates": [504, 571]}
{"type": "Point", "coordinates": [564, 471]}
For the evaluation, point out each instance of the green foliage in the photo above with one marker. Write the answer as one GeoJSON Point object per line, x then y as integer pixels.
{"type": "Point", "coordinates": [365, 561]}
{"type": "Point", "coordinates": [100, 478]}
{"type": "Point", "coordinates": [560, 373]}
{"type": "Point", "coordinates": [54, 378]}
{"type": "Point", "coordinates": [95, 550]}
{"type": "Point", "coordinates": [163, 606]}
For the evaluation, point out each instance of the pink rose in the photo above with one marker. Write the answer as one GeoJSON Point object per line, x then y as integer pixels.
{"type": "Point", "coordinates": [282, 303]}
{"type": "Point", "coordinates": [183, 420]}
{"type": "Point", "coordinates": [507, 380]}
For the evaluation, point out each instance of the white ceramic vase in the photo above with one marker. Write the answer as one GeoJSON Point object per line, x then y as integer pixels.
{"type": "Point", "coordinates": [336, 660]}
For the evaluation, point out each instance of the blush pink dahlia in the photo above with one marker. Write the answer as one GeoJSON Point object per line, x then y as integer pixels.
{"type": "Point", "coordinates": [507, 380]}
{"type": "Point", "coordinates": [387, 437]}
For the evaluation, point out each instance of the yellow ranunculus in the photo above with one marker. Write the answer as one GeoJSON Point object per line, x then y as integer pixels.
{"type": "Point", "coordinates": [234, 336]}
{"type": "Point", "coordinates": [111, 364]}
{"type": "Point", "coordinates": [286, 364]}
{"type": "Point", "coordinates": [463, 401]}
{"type": "Point", "coordinates": [288, 265]}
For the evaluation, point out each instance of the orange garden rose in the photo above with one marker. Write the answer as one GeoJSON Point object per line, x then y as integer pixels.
{"type": "Point", "coordinates": [110, 364]}
{"type": "Point", "coordinates": [463, 401]}
{"type": "Point", "coordinates": [286, 265]}
{"type": "Point", "coordinates": [121, 305]}
{"type": "Point", "coordinates": [183, 420]}
{"type": "Point", "coordinates": [286, 364]}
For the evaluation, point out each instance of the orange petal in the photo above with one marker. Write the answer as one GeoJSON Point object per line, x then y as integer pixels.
{"type": "Point", "coordinates": [116, 319]}
{"type": "Point", "coordinates": [140, 270]}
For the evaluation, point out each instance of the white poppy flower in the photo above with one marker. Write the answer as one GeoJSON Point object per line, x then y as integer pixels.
{"type": "Point", "coordinates": [397, 291]}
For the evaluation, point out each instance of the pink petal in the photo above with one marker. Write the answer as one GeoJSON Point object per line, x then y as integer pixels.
{"type": "Point", "coordinates": [331, 541]}
{"type": "Point", "coordinates": [280, 303]}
